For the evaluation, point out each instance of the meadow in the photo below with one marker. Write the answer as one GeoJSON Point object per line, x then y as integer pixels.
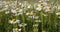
{"type": "Point", "coordinates": [29, 16]}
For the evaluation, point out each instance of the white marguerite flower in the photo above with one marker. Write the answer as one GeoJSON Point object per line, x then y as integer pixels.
{"type": "Point", "coordinates": [19, 30]}
{"type": "Point", "coordinates": [58, 13]}
{"type": "Point", "coordinates": [16, 30]}
{"type": "Point", "coordinates": [39, 9]}
{"type": "Point", "coordinates": [25, 24]}
{"type": "Point", "coordinates": [29, 6]}
{"type": "Point", "coordinates": [28, 13]}
{"type": "Point", "coordinates": [47, 9]}
{"type": "Point", "coordinates": [30, 16]}
{"type": "Point", "coordinates": [35, 25]}
{"type": "Point", "coordinates": [22, 25]}
{"type": "Point", "coordinates": [20, 3]}
{"type": "Point", "coordinates": [59, 16]}
{"type": "Point", "coordinates": [6, 5]}
{"type": "Point", "coordinates": [13, 11]}
{"type": "Point", "coordinates": [7, 12]}
{"type": "Point", "coordinates": [20, 10]}
{"type": "Point", "coordinates": [14, 21]}
{"type": "Point", "coordinates": [36, 17]}
{"type": "Point", "coordinates": [37, 20]}
{"type": "Point", "coordinates": [58, 7]}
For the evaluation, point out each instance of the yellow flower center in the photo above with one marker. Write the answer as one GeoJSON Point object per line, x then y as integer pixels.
{"type": "Point", "coordinates": [49, 7]}
{"type": "Point", "coordinates": [34, 14]}
{"type": "Point", "coordinates": [13, 20]}
{"type": "Point", "coordinates": [17, 9]}
{"type": "Point", "coordinates": [41, 6]}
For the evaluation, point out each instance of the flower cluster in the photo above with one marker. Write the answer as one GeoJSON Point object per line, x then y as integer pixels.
{"type": "Point", "coordinates": [27, 13]}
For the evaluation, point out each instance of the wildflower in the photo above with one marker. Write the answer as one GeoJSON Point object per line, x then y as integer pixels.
{"type": "Point", "coordinates": [30, 16]}
{"type": "Point", "coordinates": [34, 14]}
{"type": "Point", "coordinates": [7, 12]}
{"type": "Point", "coordinates": [40, 7]}
{"type": "Point", "coordinates": [37, 20]}
{"type": "Point", "coordinates": [58, 7]}
{"type": "Point", "coordinates": [59, 16]}
{"type": "Point", "coordinates": [29, 6]}
{"type": "Point", "coordinates": [20, 3]}
{"type": "Point", "coordinates": [14, 21]}
{"type": "Point", "coordinates": [40, 1]}
{"type": "Point", "coordinates": [20, 10]}
{"type": "Point", "coordinates": [45, 3]}
{"type": "Point", "coordinates": [48, 9]}
{"type": "Point", "coordinates": [25, 24]}
{"type": "Point", "coordinates": [45, 14]}
{"type": "Point", "coordinates": [35, 25]}
{"type": "Point", "coordinates": [16, 30]}
{"type": "Point", "coordinates": [28, 13]}
{"type": "Point", "coordinates": [19, 30]}
{"type": "Point", "coordinates": [58, 13]}
{"type": "Point", "coordinates": [36, 17]}
{"type": "Point", "coordinates": [22, 6]}
{"type": "Point", "coordinates": [6, 5]}
{"type": "Point", "coordinates": [20, 25]}
{"type": "Point", "coordinates": [17, 9]}
{"type": "Point", "coordinates": [13, 11]}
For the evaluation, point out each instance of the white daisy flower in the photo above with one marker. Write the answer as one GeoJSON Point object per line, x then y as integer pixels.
{"type": "Point", "coordinates": [40, 1]}
{"type": "Point", "coordinates": [10, 21]}
{"type": "Point", "coordinates": [30, 16]}
{"type": "Point", "coordinates": [36, 17]}
{"type": "Point", "coordinates": [58, 13]}
{"type": "Point", "coordinates": [35, 25]}
{"type": "Point", "coordinates": [58, 7]}
{"type": "Point", "coordinates": [16, 30]}
{"type": "Point", "coordinates": [59, 17]}
{"type": "Point", "coordinates": [29, 6]}
{"type": "Point", "coordinates": [20, 13]}
{"type": "Point", "coordinates": [47, 9]}
{"type": "Point", "coordinates": [37, 20]}
{"type": "Point", "coordinates": [14, 21]}
{"type": "Point", "coordinates": [45, 3]}
{"type": "Point", "coordinates": [39, 9]}
{"type": "Point", "coordinates": [28, 13]}
{"type": "Point", "coordinates": [18, 21]}
{"type": "Point", "coordinates": [13, 11]}
{"type": "Point", "coordinates": [20, 25]}
{"type": "Point", "coordinates": [4, 8]}
{"type": "Point", "coordinates": [20, 3]}
{"type": "Point", "coordinates": [20, 10]}
{"type": "Point", "coordinates": [45, 14]}
{"type": "Point", "coordinates": [7, 12]}
{"type": "Point", "coordinates": [6, 5]}
{"type": "Point", "coordinates": [25, 24]}
{"type": "Point", "coordinates": [19, 30]}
